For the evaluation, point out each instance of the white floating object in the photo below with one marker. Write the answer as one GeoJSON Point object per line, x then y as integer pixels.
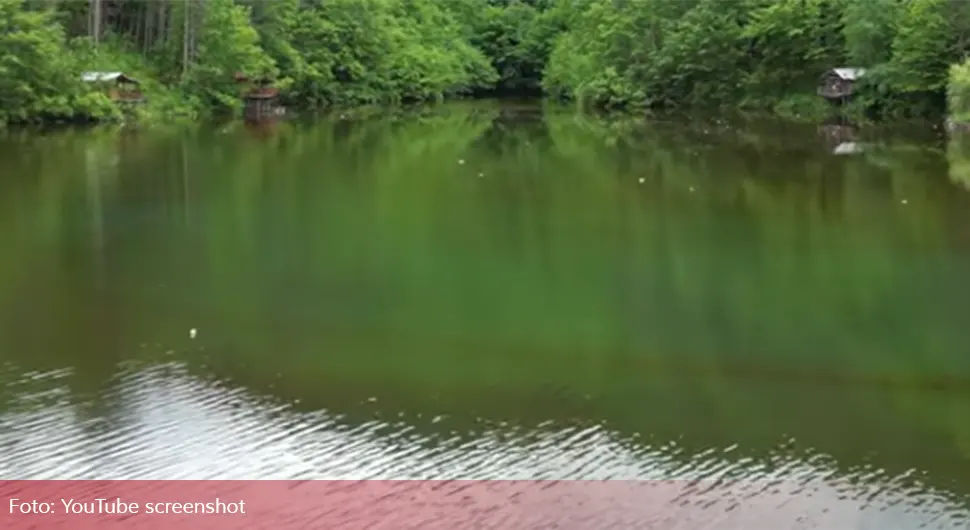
{"type": "Point", "coordinates": [462, 161]}
{"type": "Point", "coordinates": [642, 180]}
{"type": "Point", "coordinates": [480, 175]}
{"type": "Point", "coordinates": [847, 148]}
{"type": "Point", "coordinates": [193, 333]}
{"type": "Point", "coordinates": [904, 201]}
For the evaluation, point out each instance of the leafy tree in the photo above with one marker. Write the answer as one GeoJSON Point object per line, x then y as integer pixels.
{"type": "Point", "coordinates": [958, 91]}
{"type": "Point", "coordinates": [38, 78]}
{"type": "Point", "coordinates": [667, 53]}
{"type": "Point", "coordinates": [228, 44]}
{"type": "Point", "coordinates": [869, 27]}
{"type": "Point", "coordinates": [920, 50]}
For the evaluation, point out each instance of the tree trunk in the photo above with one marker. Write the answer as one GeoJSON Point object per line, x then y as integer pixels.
{"type": "Point", "coordinates": [96, 21]}
{"type": "Point", "coordinates": [185, 40]}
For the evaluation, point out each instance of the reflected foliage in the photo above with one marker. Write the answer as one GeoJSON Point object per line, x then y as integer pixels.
{"type": "Point", "coordinates": [483, 257]}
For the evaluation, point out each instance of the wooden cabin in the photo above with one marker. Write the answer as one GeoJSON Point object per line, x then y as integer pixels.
{"type": "Point", "coordinates": [118, 86]}
{"type": "Point", "coordinates": [260, 98]}
{"type": "Point", "coordinates": [839, 83]}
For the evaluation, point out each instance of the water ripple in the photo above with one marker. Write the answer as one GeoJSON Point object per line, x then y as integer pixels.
{"type": "Point", "coordinates": [162, 422]}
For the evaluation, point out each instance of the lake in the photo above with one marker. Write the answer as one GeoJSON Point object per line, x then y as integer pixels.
{"type": "Point", "coordinates": [497, 291]}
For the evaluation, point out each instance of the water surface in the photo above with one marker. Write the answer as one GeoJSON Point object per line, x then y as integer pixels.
{"type": "Point", "coordinates": [495, 291]}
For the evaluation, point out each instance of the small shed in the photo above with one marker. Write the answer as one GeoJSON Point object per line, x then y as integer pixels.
{"type": "Point", "coordinates": [839, 83]}
{"type": "Point", "coordinates": [259, 96]}
{"type": "Point", "coordinates": [120, 88]}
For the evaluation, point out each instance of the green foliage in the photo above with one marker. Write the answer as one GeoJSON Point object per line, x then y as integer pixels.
{"type": "Point", "coordinates": [705, 52]}
{"type": "Point", "coordinates": [807, 107]}
{"type": "Point", "coordinates": [39, 79]}
{"type": "Point", "coordinates": [958, 92]}
{"type": "Point", "coordinates": [583, 61]}
{"type": "Point", "coordinates": [274, 21]}
{"type": "Point", "coordinates": [793, 41]}
{"type": "Point", "coordinates": [919, 50]}
{"type": "Point", "coordinates": [756, 53]}
{"type": "Point", "coordinates": [760, 54]}
{"type": "Point", "coordinates": [518, 38]}
{"type": "Point", "coordinates": [366, 51]}
{"type": "Point", "coordinates": [229, 45]}
{"type": "Point", "coordinates": [162, 102]}
{"type": "Point", "coordinates": [868, 29]}
{"type": "Point", "coordinates": [958, 158]}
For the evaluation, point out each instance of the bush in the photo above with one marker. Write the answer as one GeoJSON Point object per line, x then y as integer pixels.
{"type": "Point", "coordinates": [958, 92]}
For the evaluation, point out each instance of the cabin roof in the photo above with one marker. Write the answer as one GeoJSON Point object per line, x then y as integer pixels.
{"type": "Point", "coordinates": [848, 74]}
{"type": "Point", "coordinates": [92, 77]}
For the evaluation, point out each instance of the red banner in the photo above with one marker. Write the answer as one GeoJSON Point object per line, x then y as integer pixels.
{"type": "Point", "coordinates": [435, 505]}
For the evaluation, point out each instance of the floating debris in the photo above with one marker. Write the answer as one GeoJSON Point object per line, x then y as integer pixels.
{"type": "Point", "coordinates": [192, 333]}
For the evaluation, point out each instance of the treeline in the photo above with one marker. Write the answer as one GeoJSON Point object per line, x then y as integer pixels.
{"type": "Point", "coordinates": [658, 53]}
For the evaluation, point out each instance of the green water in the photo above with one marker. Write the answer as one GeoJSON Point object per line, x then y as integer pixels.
{"type": "Point", "coordinates": [704, 294]}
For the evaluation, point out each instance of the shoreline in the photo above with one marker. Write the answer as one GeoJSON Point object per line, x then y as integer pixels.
{"type": "Point", "coordinates": [296, 113]}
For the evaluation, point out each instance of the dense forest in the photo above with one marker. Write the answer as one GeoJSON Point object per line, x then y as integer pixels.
{"type": "Point", "coordinates": [758, 54]}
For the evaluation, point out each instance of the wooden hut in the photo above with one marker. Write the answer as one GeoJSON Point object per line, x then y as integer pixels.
{"type": "Point", "coordinates": [118, 86]}
{"type": "Point", "coordinates": [838, 84]}
{"type": "Point", "coordinates": [260, 98]}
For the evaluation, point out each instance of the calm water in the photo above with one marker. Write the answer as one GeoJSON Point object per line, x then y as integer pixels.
{"type": "Point", "coordinates": [478, 291]}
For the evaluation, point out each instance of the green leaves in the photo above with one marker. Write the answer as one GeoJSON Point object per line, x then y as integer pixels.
{"type": "Point", "coordinates": [226, 44]}
{"type": "Point", "coordinates": [696, 53]}
{"type": "Point", "coordinates": [958, 91]}
{"type": "Point", "coordinates": [920, 54]}
{"type": "Point", "coordinates": [38, 77]}
{"type": "Point", "coordinates": [868, 29]}
{"type": "Point", "coordinates": [754, 52]}
{"type": "Point", "coordinates": [367, 51]}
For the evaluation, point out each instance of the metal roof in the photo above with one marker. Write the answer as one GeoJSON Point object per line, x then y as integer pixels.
{"type": "Point", "coordinates": [91, 77]}
{"type": "Point", "coordinates": [849, 74]}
